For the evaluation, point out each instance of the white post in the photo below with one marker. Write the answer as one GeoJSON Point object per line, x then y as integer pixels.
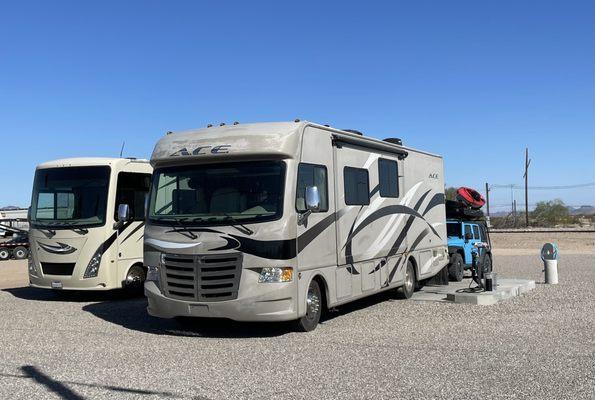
{"type": "Point", "coordinates": [551, 271]}
{"type": "Point", "coordinates": [549, 255]}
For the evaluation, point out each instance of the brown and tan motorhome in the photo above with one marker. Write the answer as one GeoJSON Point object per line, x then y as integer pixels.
{"type": "Point", "coordinates": [276, 221]}
{"type": "Point", "coordinates": [87, 222]}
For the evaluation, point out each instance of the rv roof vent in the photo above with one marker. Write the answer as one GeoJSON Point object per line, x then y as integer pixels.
{"type": "Point", "coordinates": [353, 131]}
{"type": "Point", "coordinates": [394, 140]}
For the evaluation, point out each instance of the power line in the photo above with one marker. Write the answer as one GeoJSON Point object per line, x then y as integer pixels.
{"type": "Point", "coordinates": [519, 187]}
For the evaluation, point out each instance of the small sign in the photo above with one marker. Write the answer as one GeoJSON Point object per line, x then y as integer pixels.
{"type": "Point", "coordinates": [56, 285]}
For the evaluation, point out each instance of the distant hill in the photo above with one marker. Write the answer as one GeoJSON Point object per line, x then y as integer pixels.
{"type": "Point", "coordinates": [10, 208]}
{"type": "Point", "coordinates": [582, 210]}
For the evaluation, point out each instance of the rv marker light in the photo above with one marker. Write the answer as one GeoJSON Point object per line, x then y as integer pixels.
{"type": "Point", "coordinates": [276, 275]}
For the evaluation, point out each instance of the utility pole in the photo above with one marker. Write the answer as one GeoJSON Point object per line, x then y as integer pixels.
{"type": "Point", "coordinates": [488, 198]}
{"type": "Point", "coordinates": [526, 176]}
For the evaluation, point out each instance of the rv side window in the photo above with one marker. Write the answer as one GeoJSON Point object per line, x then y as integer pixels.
{"type": "Point", "coordinates": [311, 175]}
{"type": "Point", "coordinates": [388, 178]}
{"type": "Point", "coordinates": [132, 189]}
{"type": "Point", "coordinates": [357, 186]}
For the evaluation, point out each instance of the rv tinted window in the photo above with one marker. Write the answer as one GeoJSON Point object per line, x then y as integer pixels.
{"type": "Point", "coordinates": [357, 186]}
{"type": "Point", "coordinates": [218, 194]}
{"type": "Point", "coordinates": [70, 196]}
{"type": "Point", "coordinates": [311, 175]}
{"type": "Point", "coordinates": [132, 190]}
{"type": "Point", "coordinates": [388, 178]}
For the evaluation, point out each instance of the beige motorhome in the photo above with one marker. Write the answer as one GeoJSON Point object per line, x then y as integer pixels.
{"type": "Point", "coordinates": [274, 221]}
{"type": "Point", "coordinates": [77, 239]}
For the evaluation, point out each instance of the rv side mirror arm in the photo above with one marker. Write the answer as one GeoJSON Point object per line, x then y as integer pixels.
{"type": "Point", "coordinates": [303, 217]}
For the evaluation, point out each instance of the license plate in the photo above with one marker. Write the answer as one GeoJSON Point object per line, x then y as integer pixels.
{"type": "Point", "coordinates": [56, 285]}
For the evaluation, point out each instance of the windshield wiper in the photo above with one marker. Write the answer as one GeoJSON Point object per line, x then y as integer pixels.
{"type": "Point", "coordinates": [183, 228]}
{"type": "Point", "coordinates": [235, 222]}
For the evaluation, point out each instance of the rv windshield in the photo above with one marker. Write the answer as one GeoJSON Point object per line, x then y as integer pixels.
{"type": "Point", "coordinates": [70, 197]}
{"type": "Point", "coordinates": [216, 194]}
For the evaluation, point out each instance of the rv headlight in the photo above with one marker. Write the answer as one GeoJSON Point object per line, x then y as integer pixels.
{"type": "Point", "coordinates": [93, 266]}
{"type": "Point", "coordinates": [31, 266]}
{"type": "Point", "coordinates": [153, 276]}
{"type": "Point", "coordinates": [276, 275]}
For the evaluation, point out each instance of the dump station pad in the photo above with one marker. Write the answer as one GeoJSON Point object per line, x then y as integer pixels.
{"type": "Point", "coordinates": [456, 292]}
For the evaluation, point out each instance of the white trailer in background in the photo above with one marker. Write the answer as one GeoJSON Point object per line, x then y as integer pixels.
{"type": "Point", "coordinates": [15, 218]}
{"type": "Point", "coordinates": [76, 239]}
{"type": "Point", "coordinates": [274, 221]}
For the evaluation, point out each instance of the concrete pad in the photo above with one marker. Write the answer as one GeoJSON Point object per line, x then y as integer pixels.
{"type": "Point", "coordinates": [458, 292]}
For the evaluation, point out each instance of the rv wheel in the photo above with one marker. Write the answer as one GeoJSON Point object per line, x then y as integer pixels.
{"type": "Point", "coordinates": [406, 291]}
{"type": "Point", "coordinates": [135, 278]}
{"type": "Point", "coordinates": [455, 268]}
{"type": "Point", "coordinates": [4, 254]}
{"type": "Point", "coordinates": [20, 253]}
{"type": "Point", "coordinates": [313, 309]}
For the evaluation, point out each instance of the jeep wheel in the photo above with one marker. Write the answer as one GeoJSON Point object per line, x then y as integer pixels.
{"type": "Point", "coordinates": [487, 263]}
{"type": "Point", "coordinates": [456, 268]}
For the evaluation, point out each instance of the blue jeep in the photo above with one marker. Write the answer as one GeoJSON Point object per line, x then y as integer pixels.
{"type": "Point", "coordinates": [462, 235]}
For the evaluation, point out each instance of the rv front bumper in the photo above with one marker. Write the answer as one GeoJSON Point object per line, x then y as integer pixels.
{"type": "Point", "coordinates": [254, 308]}
{"type": "Point", "coordinates": [62, 283]}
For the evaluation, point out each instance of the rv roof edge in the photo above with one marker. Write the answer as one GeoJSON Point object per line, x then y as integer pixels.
{"type": "Point", "coordinates": [262, 132]}
{"type": "Point", "coordinates": [88, 161]}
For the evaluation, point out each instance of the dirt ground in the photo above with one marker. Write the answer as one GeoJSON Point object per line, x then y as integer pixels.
{"type": "Point", "coordinates": [523, 243]}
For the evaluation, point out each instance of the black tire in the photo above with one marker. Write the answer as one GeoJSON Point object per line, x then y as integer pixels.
{"type": "Point", "coordinates": [313, 309]}
{"type": "Point", "coordinates": [20, 253]}
{"type": "Point", "coordinates": [456, 269]}
{"type": "Point", "coordinates": [487, 263]}
{"type": "Point", "coordinates": [135, 279]}
{"type": "Point", "coordinates": [406, 291]}
{"type": "Point", "coordinates": [4, 254]}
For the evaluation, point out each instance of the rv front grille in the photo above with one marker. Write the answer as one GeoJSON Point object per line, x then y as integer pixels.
{"type": "Point", "coordinates": [202, 277]}
{"type": "Point", "coordinates": [57, 268]}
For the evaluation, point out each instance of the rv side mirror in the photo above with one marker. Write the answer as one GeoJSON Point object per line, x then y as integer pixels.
{"type": "Point", "coordinates": [312, 198]}
{"type": "Point", "coordinates": [123, 213]}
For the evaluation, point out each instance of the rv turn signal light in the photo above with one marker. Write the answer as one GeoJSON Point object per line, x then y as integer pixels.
{"type": "Point", "coordinates": [276, 275]}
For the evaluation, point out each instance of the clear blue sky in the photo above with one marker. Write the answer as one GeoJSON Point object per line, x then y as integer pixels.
{"type": "Point", "coordinates": [474, 81]}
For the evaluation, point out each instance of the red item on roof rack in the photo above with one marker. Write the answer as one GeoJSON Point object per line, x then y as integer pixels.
{"type": "Point", "coordinates": [470, 197]}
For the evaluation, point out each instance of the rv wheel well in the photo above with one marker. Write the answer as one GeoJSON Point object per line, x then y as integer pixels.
{"type": "Point", "coordinates": [323, 289]}
{"type": "Point", "coordinates": [139, 264]}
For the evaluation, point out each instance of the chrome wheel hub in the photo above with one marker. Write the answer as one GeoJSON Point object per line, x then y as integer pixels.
{"type": "Point", "coordinates": [312, 304]}
{"type": "Point", "coordinates": [408, 279]}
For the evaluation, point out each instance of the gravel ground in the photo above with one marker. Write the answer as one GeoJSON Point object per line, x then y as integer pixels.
{"type": "Point", "coordinates": [540, 345]}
